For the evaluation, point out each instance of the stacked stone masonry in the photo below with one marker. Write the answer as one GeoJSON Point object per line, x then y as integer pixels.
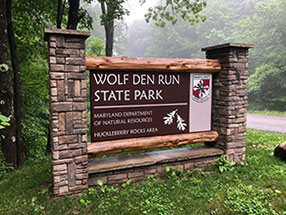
{"type": "Point", "coordinates": [229, 101]}
{"type": "Point", "coordinates": [68, 112]}
{"type": "Point", "coordinates": [136, 174]}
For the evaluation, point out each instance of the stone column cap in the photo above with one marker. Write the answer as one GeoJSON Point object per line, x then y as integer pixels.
{"type": "Point", "coordinates": [228, 45]}
{"type": "Point", "coordinates": [50, 31]}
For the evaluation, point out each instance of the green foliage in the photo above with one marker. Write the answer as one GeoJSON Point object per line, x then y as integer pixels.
{"type": "Point", "coordinates": [86, 20]}
{"type": "Point", "coordinates": [185, 41]}
{"type": "Point", "coordinates": [95, 47]}
{"type": "Point", "coordinates": [4, 121]}
{"type": "Point", "coordinates": [266, 112]}
{"type": "Point", "coordinates": [4, 166]}
{"type": "Point", "coordinates": [35, 106]}
{"type": "Point", "coordinates": [100, 183]}
{"type": "Point", "coordinates": [265, 141]}
{"type": "Point", "coordinates": [98, 32]}
{"type": "Point", "coordinates": [36, 207]}
{"type": "Point", "coordinates": [267, 59]}
{"type": "Point", "coordinates": [223, 164]}
{"type": "Point", "coordinates": [128, 182]}
{"type": "Point", "coordinates": [172, 11]}
{"type": "Point", "coordinates": [29, 19]}
{"type": "Point", "coordinates": [248, 200]}
{"type": "Point", "coordinates": [172, 171]}
{"type": "Point", "coordinates": [267, 86]}
{"type": "Point", "coordinates": [114, 10]}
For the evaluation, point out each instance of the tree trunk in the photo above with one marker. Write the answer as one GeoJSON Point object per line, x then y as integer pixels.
{"type": "Point", "coordinates": [73, 14]}
{"type": "Point", "coordinates": [60, 12]}
{"type": "Point", "coordinates": [7, 135]}
{"type": "Point", "coordinates": [17, 85]}
{"type": "Point", "coordinates": [109, 33]}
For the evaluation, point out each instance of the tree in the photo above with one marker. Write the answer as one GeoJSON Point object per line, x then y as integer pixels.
{"type": "Point", "coordinates": [17, 86]}
{"type": "Point", "coordinates": [32, 51]}
{"type": "Point", "coordinates": [76, 15]}
{"type": "Point", "coordinates": [7, 135]}
{"type": "Point", "coordinates": [138, 39]}
{"type": "Point", "coordinates": [111, 10]}
{"type": "Point", "coordinates": [170, 11]}
{"type": "Point", "coordinates": [173, 11]}
{"type": "Point", "coordinates": [95, 47]}
{"type": "Point", "coordinates": [266, 29]}
{"type": "Point", "coordinates": [60, 12]}
{"type": "Point", "coordinates": [184, 39]}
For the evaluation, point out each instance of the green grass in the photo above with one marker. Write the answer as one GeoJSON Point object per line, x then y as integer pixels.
{"type": "Point", "coordinates": [256, 187]}
{"type": "Point", "coordinates": [268, 112]}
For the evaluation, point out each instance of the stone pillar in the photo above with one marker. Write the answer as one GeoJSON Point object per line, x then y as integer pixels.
{"type": "Point", "coordinates": [229, 101]}
{"type": "Point", "coordinates": [68, 110]}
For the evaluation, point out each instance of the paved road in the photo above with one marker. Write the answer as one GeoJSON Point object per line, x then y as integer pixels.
{"type": "Point", "coordinates": [267, 123]}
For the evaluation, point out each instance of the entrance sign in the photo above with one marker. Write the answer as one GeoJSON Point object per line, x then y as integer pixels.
{"type": "Point", "coordinates": [154, 93]}
{"type": "Point", "coordinates": [141, 104]}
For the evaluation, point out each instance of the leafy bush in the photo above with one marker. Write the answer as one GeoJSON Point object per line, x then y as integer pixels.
{"type": "Point", "coordinates": [223, 164]}
{"type": "Point", "coordinates": [4, 167]}
{"type": "Point", "coordinates": [95, 47]}
{"type": "Point", "coordinates": [267, 86]}
{"type": "Point", "coordinates": [35, 106]}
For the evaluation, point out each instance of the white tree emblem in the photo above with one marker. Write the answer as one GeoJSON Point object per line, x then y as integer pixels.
{"type": "Point", "coordinates": [169, 119]}
{"type": "Point", "coordinates": [181, 125]}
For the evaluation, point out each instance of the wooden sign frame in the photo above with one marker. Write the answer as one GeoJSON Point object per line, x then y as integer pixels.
{"type": "Point", "coordinates": [127, 64]}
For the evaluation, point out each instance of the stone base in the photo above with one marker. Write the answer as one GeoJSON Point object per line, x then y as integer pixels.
{"type": "Point", "coordinates": [118, 170]}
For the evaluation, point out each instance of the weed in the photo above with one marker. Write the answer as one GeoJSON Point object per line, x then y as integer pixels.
{"type": "Point", "coordinates": [36, 206]}
{"type": "Point", "coordinates": [223, 164]}
{"type": "Point", "coordinates": [127, 183]}
{"type": "Point", "coordinates": [249, 200]}
{"type": "Point", "coordinates": [172, 171]}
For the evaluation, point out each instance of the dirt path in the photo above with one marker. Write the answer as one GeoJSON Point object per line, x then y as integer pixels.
{"type": "Point", "coordinates": [267, 123]}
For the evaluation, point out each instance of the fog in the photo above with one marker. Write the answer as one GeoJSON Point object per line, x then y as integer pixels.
{"type": "Point", "coordinates": [258, 22]}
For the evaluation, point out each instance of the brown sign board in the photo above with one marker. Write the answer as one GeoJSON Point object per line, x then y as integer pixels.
{"type": "Point", "coordinates": [141, 104]}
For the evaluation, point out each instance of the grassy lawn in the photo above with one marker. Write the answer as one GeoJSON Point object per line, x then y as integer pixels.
{"type": "Point", "coordinates": [267, 112]}
{"type": "Point", "coordinates": [256, 187]}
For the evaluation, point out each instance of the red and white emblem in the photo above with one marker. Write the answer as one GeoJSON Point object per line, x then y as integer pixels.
{"type": "Point", "coordinates": [201, 87]}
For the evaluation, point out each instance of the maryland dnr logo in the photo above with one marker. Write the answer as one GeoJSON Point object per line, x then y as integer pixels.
{"type": "Point", "coordinates": [201, 87]}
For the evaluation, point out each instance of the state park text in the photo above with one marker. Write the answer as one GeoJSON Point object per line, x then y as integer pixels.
{"type": "Point", "coordinates": [135, 80]}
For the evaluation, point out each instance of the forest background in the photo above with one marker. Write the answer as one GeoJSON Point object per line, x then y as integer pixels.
{"type": "Point", "coordinates": [258, 22]}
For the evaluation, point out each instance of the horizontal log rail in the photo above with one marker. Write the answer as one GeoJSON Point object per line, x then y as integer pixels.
{"type": "Point", "coordinates": [144, 143]}
{"type": "Point", "coordinates": [152, 64]}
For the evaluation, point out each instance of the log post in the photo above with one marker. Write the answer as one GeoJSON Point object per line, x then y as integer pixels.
{"type": "Point", "coordinates": [68, 110]}
{"type": "Point", "coordinates": [229, 101]}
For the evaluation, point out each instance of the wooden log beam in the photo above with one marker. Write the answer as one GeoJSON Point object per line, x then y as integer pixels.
{"type": "Point", "coordinates": [140, 144]}
{"type": "Point", "coordinates": [152, 64]}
